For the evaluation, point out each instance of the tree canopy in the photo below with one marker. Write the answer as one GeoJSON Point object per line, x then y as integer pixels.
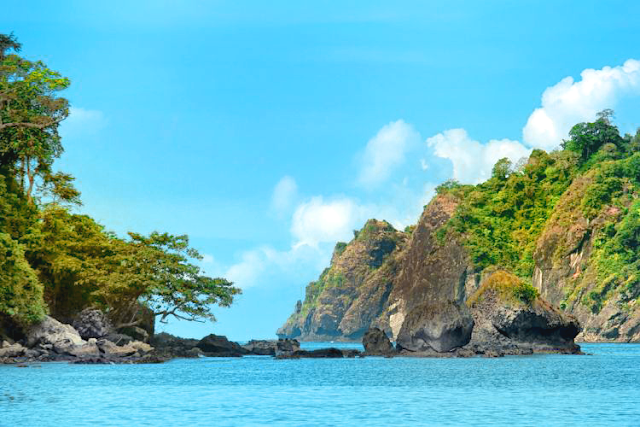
{"type": "Point", "coordinates": [52, 260]}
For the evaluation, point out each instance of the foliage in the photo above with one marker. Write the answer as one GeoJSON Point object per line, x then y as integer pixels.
{"type": "Point", "coordinates": [30, 112]}
{"type": "Point", "coordinates": [20, 290]}
{"type": "Point", "coordinates": [587, 138]}
{"type": "Point", "coordinates": [82, 266]}
{"type": "Point", "coordinates": [53, 260]}
{"type": "Point", "coordinates": [507, 287]}
{"type": "Point", "coordinates": [501, 218]}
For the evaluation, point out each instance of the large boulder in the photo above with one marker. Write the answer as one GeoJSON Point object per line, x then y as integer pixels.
{"type": "Point", "coordinates": [508, 323]}
{"type": "Point", "coordinates": [92, 323]}
{"type": "Point", "coordinates": [218, 345]}
{"type": "Point", "coordinates": [441, 327]}
{"type": "Point", "coordinates": [377, 343]}
{"type": "Point", "coordinates": [286, 347]}
{"type": "Point", "coordinates": [51, 332]}
{"type": "Point", "coordinates": [12, 350]}
{"type": "Point", "coordinates": [262, 347]}
{"type": "Point", "coordinates": [169, 346]}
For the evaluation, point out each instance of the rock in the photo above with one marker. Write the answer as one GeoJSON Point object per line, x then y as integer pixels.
{"type": "Point", "coordinates": [92, 323]}
{"type": "Point", "coordinates": [118, 339]}
{"type": "Point", "coordinates": [322, 353]}
{"type": "Point", "coordinates": [194, 352]}
{"type": "Point", "coordinates": [220, 346]}
{"type": "Point", "coordinates": [516, 327]}
{"type": "Point", "coordinates": [141, 347]}
{"type": "Point", "coordinates": [86, 350]}
{"type": "Point", "coordinates": [376, 343]}
{"type": "Point", "coordinates": [13, 350]}
{"type": "Point", "coordinates": [111, 350]}
{"type": "Point", "coordinates": [50, 331]}
{"type": "Point", "coordinates": [168, 346]}
{"type": "Point", "coordinates": [261, 347]}
{"type": "Point", "coordinates": [286, 347]}
{"type": "Point", "coordinates": [136, 333]}
{"type": "Point", "coordinates": [441, 327]}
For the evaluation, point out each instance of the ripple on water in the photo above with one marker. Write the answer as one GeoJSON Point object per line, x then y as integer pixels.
{"type": "Point", "coordinates": [602, 388]}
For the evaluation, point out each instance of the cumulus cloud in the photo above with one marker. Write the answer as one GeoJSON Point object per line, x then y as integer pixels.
{"type": "Point", "coordinates": [284, 194]}
{"type": "Point", "coordinates": [385, 152]}
{"type": "Point", "coordinates": [570, 102]}
{"type": "Point", "coordinates": [265, 265]}
{"type": "Point", "coordinates": [473, 161]}
{"type": "Point", "coordinates": [316, 220]}
{"type": "Point", "coordinates": [82, 122]}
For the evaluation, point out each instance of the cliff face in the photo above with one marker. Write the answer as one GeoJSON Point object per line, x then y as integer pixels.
{"type": "Point", "coordinates": [350, 294]}
{"type": "Point", "coordinates": [378, 277]}
{"type": "Point", "coordinates": [567, 224]}
{"type": "Point", "coordinates": [572, 257]}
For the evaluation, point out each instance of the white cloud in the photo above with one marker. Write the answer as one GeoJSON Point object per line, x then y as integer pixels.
{"type": "Point", "coordinates": [317, 221]}
{"type": "Point", "coordinates": [265, 265]}
{"type": "Point", "coordinates": [385, 152]}
{"type": "Point", "coordinates": [473, 161]}
{"type": "Point", "coordinates": [82, 122]}
{"type": "Point", "coordinates": [570, 102]}
{"type": "Point", "coordinates": [284, 194]}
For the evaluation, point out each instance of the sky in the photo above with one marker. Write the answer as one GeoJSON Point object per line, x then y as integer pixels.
{"type": "Point", "coordinates": [268, 131]}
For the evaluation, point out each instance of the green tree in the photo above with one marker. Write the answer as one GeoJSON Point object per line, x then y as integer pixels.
{"type": "Point", "coordinates": [30, 112]}
{"type": "Point", "coordinates": [81, 265]}
{"type": "Point", "coordinates": [502, 169]}
{"type": "Point", "coordinates": [587, 138]}
{"type": "Point", "coordinates": [20, 291]}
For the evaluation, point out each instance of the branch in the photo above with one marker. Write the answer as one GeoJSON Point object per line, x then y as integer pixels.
{"type": "Point", "coordinates": [31, 125]}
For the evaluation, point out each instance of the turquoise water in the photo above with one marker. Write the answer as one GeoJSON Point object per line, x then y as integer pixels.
{"type": "Point", "coordinates": [599, 389]}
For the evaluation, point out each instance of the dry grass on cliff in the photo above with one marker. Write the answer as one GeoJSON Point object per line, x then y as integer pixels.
{"type": "Point", "coordinates": [508, 287]}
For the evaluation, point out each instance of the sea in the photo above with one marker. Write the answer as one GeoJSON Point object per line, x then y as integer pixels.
{"type": "Point", "coordinates": [601, 388]}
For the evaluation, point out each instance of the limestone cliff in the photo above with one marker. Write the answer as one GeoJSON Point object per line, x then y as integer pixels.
{"type": "Point", "coordinates": [566, 222]}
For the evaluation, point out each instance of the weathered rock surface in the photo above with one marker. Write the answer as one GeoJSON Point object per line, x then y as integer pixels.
{"type": "Point", "coordinates": [169, 346]}
{"type": "Point", "coordinates": [220, 346]}
{"type": "Point", "coordinates": [508, 326]}
{"type": "Point", "coordinates": [91, 323]}
{"type": "Point", "coordinates": [261, 347]}
{"type": "Point", "coordinates": [377, 343]}
{"type": "Point", "coordinates": [436, 326]}
{"type": "Point", "coordinates": [52, 332]}
{"type": "Point", "coordinates": [286, 347]}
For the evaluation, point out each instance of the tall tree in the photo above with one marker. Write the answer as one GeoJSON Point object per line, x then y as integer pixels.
{"type": "Point", "coordinates": [30, 112]}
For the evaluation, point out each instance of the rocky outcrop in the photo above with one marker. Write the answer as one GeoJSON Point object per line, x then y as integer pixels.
{"type": "Point", "coordinates": [441, 327]}
{"type": "Point", "coordinates": [376, 343]}
{"type": "Point", "coordinates": [322, 353]}
{"type": "Point", "coordinates": [92, 323]}
{"type": "Point", "coordinates": [220, 346]}
{"type": "Point", "coordinates": [569, 269]}
{"type": "Point", "coordinates": [381, 275]}
{"type": "Point", "coordinates": [51, 340]}
{"type": "Point", "coordinates": [272, 347]}
{"type": "Point", "coordinates": [507, 324]}
{"type": "Point", "coordinates": [53, 333]}
{"type": "Point", "coordinates": [350, 295]}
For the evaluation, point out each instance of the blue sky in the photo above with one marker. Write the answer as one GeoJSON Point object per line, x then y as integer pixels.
{"type": "Point", "coordinates": [267, 131]}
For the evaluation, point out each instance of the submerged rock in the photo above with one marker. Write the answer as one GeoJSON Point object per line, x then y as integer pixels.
{"type": "Point", "coordinates": [441, 327]}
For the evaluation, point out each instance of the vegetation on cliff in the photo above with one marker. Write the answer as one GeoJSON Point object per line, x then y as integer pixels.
{"type": "Point", "coordinates": [52, 260]}
{"type": "Point", "coordinates": [563, 225]}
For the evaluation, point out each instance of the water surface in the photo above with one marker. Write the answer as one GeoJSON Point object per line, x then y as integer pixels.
{"type": "Point", "coordinates": [599, 389]}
